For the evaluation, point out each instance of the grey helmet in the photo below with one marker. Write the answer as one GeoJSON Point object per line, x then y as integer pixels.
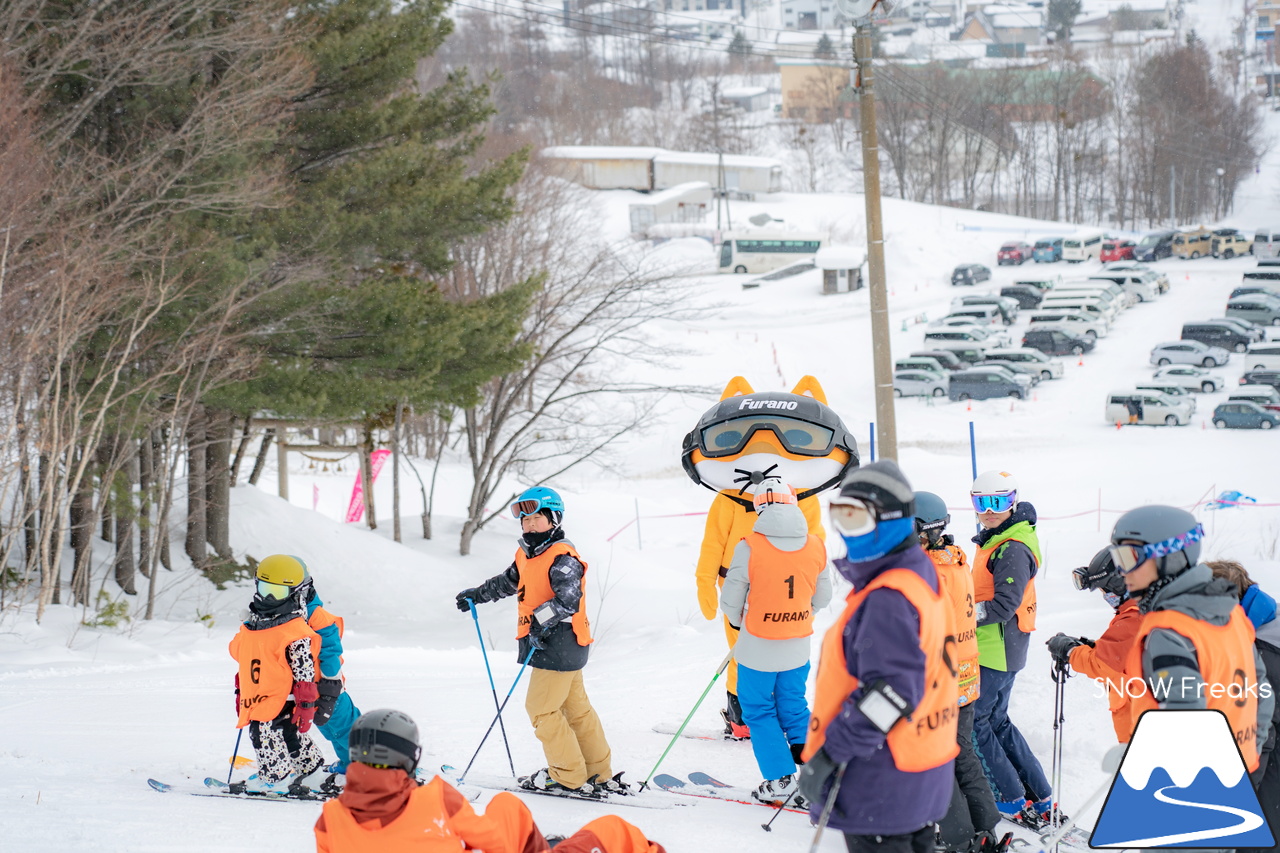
{"type": "Point", "coordinates": [385, 737]}
{"type": "Point", "coordinates": [932, 517]}
{"type": "Point", "coordinates": [1156, 523]}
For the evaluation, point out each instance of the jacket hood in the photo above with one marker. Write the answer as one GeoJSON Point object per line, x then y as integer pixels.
{"type": "Point", "coordinates": [781, 521]}
{"type": "Point", "coordinates": [1258, 606]}
{"type": "Point", "coordinates": [374, 793]}
{"type": "Point", "coordinates": [1195, 593]}
{"type": "Point", "coordinates": [1024, 511]}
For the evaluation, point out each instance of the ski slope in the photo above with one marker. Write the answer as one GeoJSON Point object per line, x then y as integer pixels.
{"type": "Point", "coordinates": [88, 714]}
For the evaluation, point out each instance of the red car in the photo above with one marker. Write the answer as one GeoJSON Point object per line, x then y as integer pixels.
{"type": "Point", "coordinates": [1013, 253]}
{"type": "Point", "coordinates": [1116, 250]}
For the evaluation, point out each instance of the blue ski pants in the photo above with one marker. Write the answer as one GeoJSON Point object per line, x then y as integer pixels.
{"type": "Point", "coordinates": [774, 708]}
{"type": "Point", "coordinates": [338, 729]}
{"type": "Point", "coordinates": [1011, 767]}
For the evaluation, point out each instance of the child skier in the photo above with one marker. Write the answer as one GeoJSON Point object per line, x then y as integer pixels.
{"type": "Point", "coordinates": [276, 690]}
{"type": "Point", "coordinates": [777, 579]}
{"type": "Point", "coordinates": [335, 712]}
{"type": "Point", "coordinates": [555, 638]}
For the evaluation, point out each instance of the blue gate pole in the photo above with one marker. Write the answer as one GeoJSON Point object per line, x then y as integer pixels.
{"type": "Point", "coordinates": [973, 452]}
{"type": "Point", "coordinates": [873, 442]}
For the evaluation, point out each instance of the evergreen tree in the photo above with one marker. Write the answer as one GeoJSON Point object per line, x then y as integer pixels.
{"type": "Point", "coordinates": [739, 46]}
{"type": "Point", "coordinates": [1062, 17]}
{"type": "Point", "coordinates": [825, 49]}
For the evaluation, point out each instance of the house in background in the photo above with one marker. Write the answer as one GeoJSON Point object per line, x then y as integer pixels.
{"type": "Point", "coordinates": [1264, 31]}
{"type": "Point", "coordinates": [810, 15]}
{"type": "Point", "coordinates": [1004, 25]}
{"type": "Point", "coordinates": [815, 89]}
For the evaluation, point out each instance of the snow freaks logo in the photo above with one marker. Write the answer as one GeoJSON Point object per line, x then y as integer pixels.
{"type": "Point", "coordinates": [1182, 783]}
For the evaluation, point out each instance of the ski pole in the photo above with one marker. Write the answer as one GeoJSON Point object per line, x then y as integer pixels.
{"type": "Point", "coordinates": [1110, 765]}
{"type": "Point", "coordinates": [494, 690]}
{"type": "Point", "coordinates": [1060, 675]}
{"type": "Point", "coordinates": [234, 753]}
{"type": "Point", "coordinates": [768, 827]}
{"type": "Point", "coordinates": [826, 808]}
{"type": "Point", "coordinates": [523, 667]}
{"type": "Point", "coordinates": [723, 665]}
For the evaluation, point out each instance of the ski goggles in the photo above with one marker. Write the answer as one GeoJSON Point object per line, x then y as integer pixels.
{"type": "Point", "coordinates": [532, 506]}
{"type": "Point", "coordinates": [1128, 557]}
{"type": "Point", "coordinates": [796, 436]}
{"type": "Point", "coordinates": [1080, 578]}
{"type": "Point", "coordinates": [852, 517]}
{"type": "Point", "coordinates": [278, 591]}
{"type": "Point", "coordinates": [1002, 502]}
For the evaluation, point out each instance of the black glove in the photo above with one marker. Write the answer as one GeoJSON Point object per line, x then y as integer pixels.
{"type": "Point", "coordinates": [330, 690]}
{"type": "Point", "coordinates": [473, 594]}
{"type": "Point", "coordinates": [539, 634]}
{"type": "Point", "coordinates": [814, 775]}
{"type": "Point", "coordinates": [1060, 646]}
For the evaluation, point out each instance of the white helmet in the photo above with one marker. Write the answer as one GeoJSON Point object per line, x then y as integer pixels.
{"type": "Point", "coordinates": [991, 483]}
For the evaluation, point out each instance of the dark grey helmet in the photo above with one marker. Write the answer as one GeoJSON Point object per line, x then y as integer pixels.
{"type": "Point", "coordinates": [931, 511]}
{"type": "Point", "coordinates": [1156, 523]}
{"type": "Point", "coordinates": [385, 737]}
{"type": "Point", "coordinates": [1101, 574]}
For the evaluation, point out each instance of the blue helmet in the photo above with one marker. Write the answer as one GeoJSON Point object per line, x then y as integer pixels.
{"type": "Point", "coordinates": [537, 499]}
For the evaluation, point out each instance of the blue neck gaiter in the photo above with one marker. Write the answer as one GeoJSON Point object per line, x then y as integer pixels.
{"type": "Point", "coordinates": [887, 536]}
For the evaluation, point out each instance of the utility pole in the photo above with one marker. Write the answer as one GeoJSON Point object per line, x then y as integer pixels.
{"type": "Point", "coordinates": [882, 358]}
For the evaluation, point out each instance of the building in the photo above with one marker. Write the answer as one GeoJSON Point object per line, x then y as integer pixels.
{"type": "Point", "coordinates": [815, 89]}
{"type": "Point", "coordinates": [1005, 25]}
{"type": "Point", "coordinates": [684, 203]}
{"type": "Point", "coordinates": [810, 15]}
{"type": "Point", "coordinates": [746, 98]}
{"type": "Point", "coordinates": [841, 267]}
{"type": "Point", "coordinates": [1264, 31]}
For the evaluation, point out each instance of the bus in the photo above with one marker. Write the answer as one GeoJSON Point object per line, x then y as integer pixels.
{"type": "Point", "coordinates": [1081, 247]}
{"type": "Point", "coordinates": [761, 250]}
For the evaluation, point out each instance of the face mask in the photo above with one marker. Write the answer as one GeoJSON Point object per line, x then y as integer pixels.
{"type": "Point", "coordinates": [886, 536]}
{"type": "Point", "coordinates": [1112, 599]}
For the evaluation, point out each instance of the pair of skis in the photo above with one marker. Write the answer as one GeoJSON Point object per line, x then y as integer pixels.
{"type": "Point", "coordinates": [217, 788]}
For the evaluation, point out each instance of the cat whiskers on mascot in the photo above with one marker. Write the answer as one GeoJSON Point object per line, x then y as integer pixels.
{"type": "Point", "coordinates": [745, 439]}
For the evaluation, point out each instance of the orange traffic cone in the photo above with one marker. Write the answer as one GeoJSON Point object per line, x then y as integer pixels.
{"type": "Point", "coordinates": [968, 406]}
{"type": "Point", "coordinates": [1080, 363]}
{"type": "Point", "coordinates": [1118, 425]}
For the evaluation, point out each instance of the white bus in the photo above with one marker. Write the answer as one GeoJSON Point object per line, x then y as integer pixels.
{"type": "Point", "coordinates": [761, 250]}
{"type": "Point", "coordinates": [1082, 247]}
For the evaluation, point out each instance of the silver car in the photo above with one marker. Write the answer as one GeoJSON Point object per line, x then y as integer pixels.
{"type": "Point", "coordinates": [1186, 376]}
{"type": "Point", "coordinates": [1259, 308]}
{"type": "Point", "coordinates": [1050, 368]}
{"type": "Point", "coordinates": [919, 383]}
{"type": "Point", "coordinates": [1189, 352]}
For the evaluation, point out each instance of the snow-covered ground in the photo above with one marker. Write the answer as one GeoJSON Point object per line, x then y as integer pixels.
{"type": "Point", "coordinates": [89, 714]}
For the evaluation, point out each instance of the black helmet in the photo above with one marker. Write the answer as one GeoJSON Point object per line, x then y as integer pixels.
{"type": "Point", "coordinates": [385, 737]}
{"type": "Point", "coordinates": [1100, 574]}
{"type": "Point", "coordinates": [1162, 524]}
{"type": "Point", "coordinates": [931, 512]}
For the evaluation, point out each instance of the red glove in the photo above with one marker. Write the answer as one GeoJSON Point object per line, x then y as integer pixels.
{"type": "Point", "coordinates": [237, 695]}
{"type": "Point", "coordinates": [305, 695]}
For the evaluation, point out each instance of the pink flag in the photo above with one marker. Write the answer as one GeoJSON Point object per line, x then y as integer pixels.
{"type": "Point", "coordinates": [355, 509]}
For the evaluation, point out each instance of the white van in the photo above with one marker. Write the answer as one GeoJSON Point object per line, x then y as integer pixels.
{"type": "Point", "coordinates": [1139, 287]}
{"type": "Point", "coordinates": [1114, 296]}
{"type": "Point", "coordinates": [1263, 356]}
{"type": "Point", "coordinates": [1072, 322]}
{"type": "Point", "coordinates": [1088, 305]}
{"type": "Point", "coordinates": [1266, 243]}
{"type": "Point", "coordinates": [1083, 247]}
{"type": "Point", "coordinates": [1146, 407]}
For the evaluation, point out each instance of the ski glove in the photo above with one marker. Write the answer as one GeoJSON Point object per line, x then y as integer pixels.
{"type": "Point", "coordinates": [473, 594]}
{"type": "Point", "coordinates": [1060, 646]}
{"type": "Point", "coordinates": [539, 634]}
{"type": "Point", "coordinates": [330, 689]}
{"type": "Point", "coordinates": [305, 695]}
{"type": "Point", "coordinates": [814, 776]}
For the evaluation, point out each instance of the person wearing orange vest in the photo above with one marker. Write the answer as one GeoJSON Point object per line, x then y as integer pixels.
{"type": "Point", "coordinates": [777, 579]}
{"type": "Point", "coordinates": [970, 822]}
{"type": "Point", "coordinates": [554, 636]}
{"type": "Point", "coordinates": [1004, 570]}
{"type": "Point", "coordinates": [385, 809]}
{"type": "Point", "coordinates": [1195, 646]}
{"type": "Point", "coordinates": [1103, 659]}
{"type": "Point", "coordinates": [885, 704]}
{"type": "Point", "coordinates": [276, 692]}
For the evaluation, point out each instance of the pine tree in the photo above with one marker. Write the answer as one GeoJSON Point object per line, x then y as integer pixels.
{"type": "Point", "coordinates": [825, 49]}
{"type": "Point", "coordinates": [739, 46]}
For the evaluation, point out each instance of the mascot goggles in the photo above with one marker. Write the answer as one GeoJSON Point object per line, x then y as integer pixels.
{"type": "Point", "coordinates": [796, 436]}
{"type": "Point", "coordinates": [1128, 557]}
{"type": "Point", "coordinates": [994, 503]}
{"type": "Point", "coordinates": [278, 591]}
{"type": "Point", "coordinates": [852, 517]}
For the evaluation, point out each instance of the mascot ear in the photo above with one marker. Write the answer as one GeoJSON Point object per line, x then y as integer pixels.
{"type": "Point", "coordinates": [809, 387]}
{"type": "Point", "coordinates": [737, 387]}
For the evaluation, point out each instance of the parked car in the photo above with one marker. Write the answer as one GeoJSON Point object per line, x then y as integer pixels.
{"type": "Point", "coordinates": [1074, 321]}
{"type": "Point", "coordinates": [969, 274]}
{"type": "Point", "coordinates": [1250, 289]}
{"type": "Point", "coordinates": [1024, 294]}
{"type": "Point", "coordinates": [1216, 335]}
{"type": "Point", "coordinates": [949, 320]}
{"type": "Point", "coordinates": [1241, 414]}
{"type": "Point", "coordinates": [1189, 352]}
{"type": "Point", "coordinates": [1229, 242]}
{"type": "Point", "coordinates": [1082, 247]}
{"type": "Point", "coordinates": [1171, 389]}
{"type": "Point", "coordinates": [1041, 284]}
{"type": "Point", "coordinates": [968, 352]}
{"type": "Point", "coordinates": [1266, 243]}
{"type": "Point", "coordinates": [1116, 250]}
{"type": "Point", "coordinates": [1193, 243]}
{"type": "Point", "coordinates": [1157, 278]}
{"type": "Point", "coordinates": [1261, 377]}
{"type": "Point", "coordinates": [1048, 368]}
{"type": "Point", "coordinates": [1186, 376]}
{"type": "Point", "coordinates": [1015, 368]}
{"type": "Point", "coordinates": [1140, 286]}
{"type": "Point", "coordinates": [1114, 296]}
{"type": "Point", "coordinates": [1263, 272]}
{"type": "Point", "coordinates": [979, 315]}
{"type": "Point", "coordinates": [981, 383]}
{"type": "Point", "coordinates": [1147, 407]}
{"type": "Point", "coordinates": [1264, 355]}
{"type": "Point", "coordinates": [945, 357]}
{"type": "Point", "coordinates": [1264, 395]}
{"type": "Point", "coordinates": [1007, 307]}
{"type": "Point", "coordinates": [984, 336]}
{"type": "Point", "coordinates": [919, 383]}
{"type": "Point", "coordinates": [1257, 308]}
{"type": "Point", "coordinates": [1243, 326]}
{"type": "Point", "coordinates": [1047, 251]}
{"type": "Point", "coordinates": [922, 363]}
{"type": "Point", "coordinates": [1051, 340]}
{"type": "Point", "coordinates": [1103, 311]}
{"type": "Point", "coordinates": [1154, 245]}
{"type": "Point", "coordinates": [1013, 252]}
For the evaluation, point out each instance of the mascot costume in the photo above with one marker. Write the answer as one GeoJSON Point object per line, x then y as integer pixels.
{"type": "Point", "coordinates": [744, 439]}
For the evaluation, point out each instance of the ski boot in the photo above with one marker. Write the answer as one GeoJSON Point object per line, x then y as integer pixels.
{"type": "Point", "coordinates": [542, 781]}
{"type": "Point", "coordinates": [611, 786]}
{"type": "Point", "coordinates": [779, 792]}
{"type": "Point", "coordinates": [734, 727]}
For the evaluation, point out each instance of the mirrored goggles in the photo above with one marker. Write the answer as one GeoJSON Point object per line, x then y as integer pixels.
{"type": "Point", "coordinates": [852, 517]}
{"type": "Point", "coordinates": [1128, 557]}
{"type": "Point", "coordinates": [994, 503]}
{"type": "Point", "coordinates": [278, 591]}
{"type": "Point", "coordinates": [520, 509]}
{"type": "Point", "coordinates": [1080, 577]}
{"type": "Point", "coordinates": [796, 436]}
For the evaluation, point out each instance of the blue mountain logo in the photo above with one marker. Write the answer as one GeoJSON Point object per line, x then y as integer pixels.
{"type": "Point", "coordinates": [1182, 783]}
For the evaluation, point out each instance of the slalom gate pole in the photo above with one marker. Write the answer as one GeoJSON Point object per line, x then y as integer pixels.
{"type": "Point", "coordinates": [523, 667]}
{"type": "Point", "coordinates": [724, 664]}
{"type": "Point", "coordinates": [973, 452]}
{"type": "Point", "coordinates": [494, 690]}
{"type": "Point", "coordinates": [234, 753]}
{"type": "Point", "coordinates": [827, 807]}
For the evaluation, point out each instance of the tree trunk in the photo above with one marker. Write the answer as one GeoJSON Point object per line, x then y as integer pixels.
{"type": "Point", "coordinates": [218, 483]}
{"type": "Point", "coordinates": [51, 561]}
{"type": "Point", "coordinates": [395, 474]}
{"type": "Point", "coordinates": [125, 563]}
{"type": "Point", "coordinates": [197, 540]}
{"type": "Point", "coordinates": [366, 478]}
{"type": "Point", "coordinates": [104, 489]}
{"type": "Point", "coordinates": [469, 528]}
{"type": "Point", "coordinates": [160, 452]}
{"type": "Point", "coordinates": [261, 461]}
{"type": "Point", "coordinates": [146, 496]}
{"type": "Point", "coordinates": [82, 524]}
{"type": "Point", "coordinates": [240, 449]}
